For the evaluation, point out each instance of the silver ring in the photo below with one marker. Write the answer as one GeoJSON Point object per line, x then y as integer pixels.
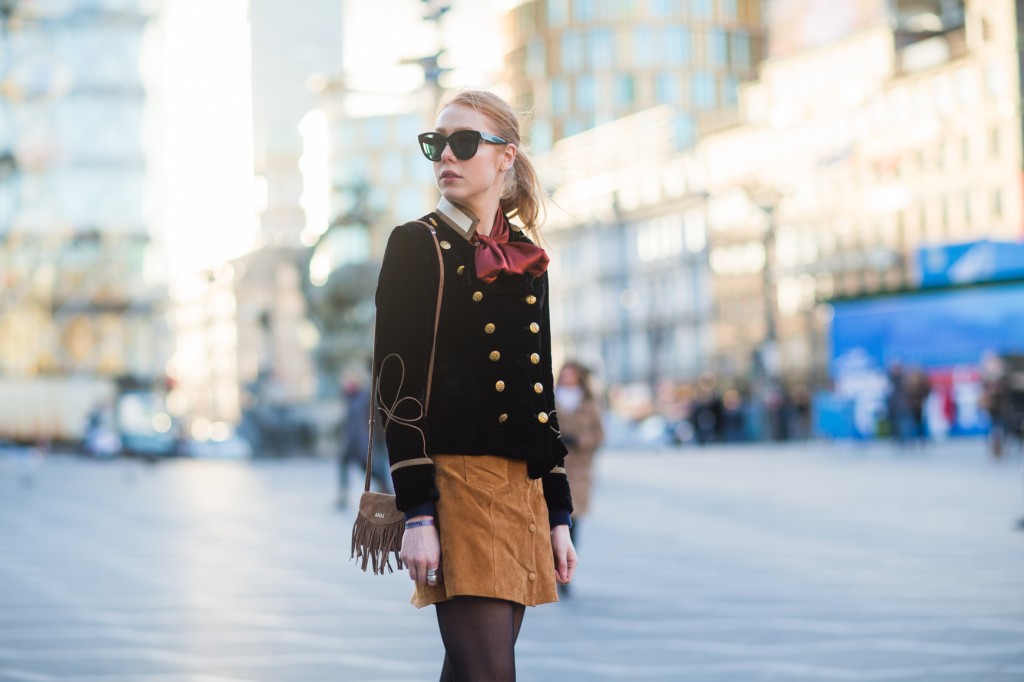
{"type": "Point", "coordinates": [431, 574]}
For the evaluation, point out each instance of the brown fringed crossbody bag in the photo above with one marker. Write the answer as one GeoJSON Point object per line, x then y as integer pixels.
{"type": "Point", "coordinates": [377, 531]}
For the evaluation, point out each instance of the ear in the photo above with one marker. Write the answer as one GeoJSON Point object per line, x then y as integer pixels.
{"type": "Point", "coordinates": [509, 157]}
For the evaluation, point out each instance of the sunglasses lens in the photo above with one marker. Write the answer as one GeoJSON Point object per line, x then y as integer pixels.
{"type": "Point", "coordinates": [432, 145]}
{"type": "Point", "coordinates": [464, 143]}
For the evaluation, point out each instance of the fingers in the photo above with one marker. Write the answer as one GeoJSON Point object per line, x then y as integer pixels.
{"type": "Point", "coordinates": [421, 553]}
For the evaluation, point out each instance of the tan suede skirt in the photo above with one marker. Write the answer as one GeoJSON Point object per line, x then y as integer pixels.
{"type": "Point", "coordinates": [495, 537]}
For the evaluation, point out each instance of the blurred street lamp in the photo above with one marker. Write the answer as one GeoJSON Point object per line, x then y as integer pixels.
{"type": "Point", "coordinates": [766, 357]}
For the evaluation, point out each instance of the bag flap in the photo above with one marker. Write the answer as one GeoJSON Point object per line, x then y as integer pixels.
{"type": "Point", "coordinates": [379, 508]}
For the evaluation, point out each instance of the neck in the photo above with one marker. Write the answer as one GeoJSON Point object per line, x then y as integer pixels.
{"type": "Point", "coordinates": [484, 212]}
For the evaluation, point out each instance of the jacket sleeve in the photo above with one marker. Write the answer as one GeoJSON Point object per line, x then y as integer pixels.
{"type": "Point", "coordinates": [406, 307]}
{"type": "Point", "coordinates": [556, 484]}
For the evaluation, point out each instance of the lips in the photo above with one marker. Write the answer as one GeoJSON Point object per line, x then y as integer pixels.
{"type": "Point", "coordinates": [449, 175]}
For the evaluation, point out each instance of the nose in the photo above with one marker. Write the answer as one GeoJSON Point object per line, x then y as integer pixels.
{"type": "Point", "coordinates": [447, 156]}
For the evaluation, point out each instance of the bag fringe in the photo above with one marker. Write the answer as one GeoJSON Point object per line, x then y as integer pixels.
{"type": "Point", "coordinates": [375, 543]}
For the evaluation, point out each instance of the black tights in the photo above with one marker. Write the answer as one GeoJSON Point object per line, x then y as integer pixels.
{"type": "Point", "coordinates": [479, 636]}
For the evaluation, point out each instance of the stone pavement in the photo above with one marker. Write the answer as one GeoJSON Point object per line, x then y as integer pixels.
{"type": "Point", "coordinates": [807, 562]}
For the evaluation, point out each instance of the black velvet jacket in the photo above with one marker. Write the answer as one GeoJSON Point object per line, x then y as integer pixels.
{"type": "Point", "coordinates": [492, 388]}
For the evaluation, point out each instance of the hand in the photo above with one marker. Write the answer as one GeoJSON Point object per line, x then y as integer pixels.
{"type": "Point", "coordinates": [421, 549]}
{"type": "Point", "coordinates": [565, 554]}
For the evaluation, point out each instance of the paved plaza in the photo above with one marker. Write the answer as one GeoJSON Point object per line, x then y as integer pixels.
{"type": "Point", "coordinates": [807, 562]}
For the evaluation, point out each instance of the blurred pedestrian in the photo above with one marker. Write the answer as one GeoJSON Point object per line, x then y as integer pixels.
{"type": "Point", "coordinates": [579, 417]}
{"type": "Point", "coordinates": [733, 427]}
{"type": "Point", "coordinates": [473, 437]}
{"type": "Point", "coordinates": [897, 410]}
{"type": "Point", "coordinates": [353, 438]}
{"type": "Point", "coordinates": [707, 410]}
{"type": "Point", "coordinates": [995, 400]}
{"type": "Point", "coordinates": [917, 389]}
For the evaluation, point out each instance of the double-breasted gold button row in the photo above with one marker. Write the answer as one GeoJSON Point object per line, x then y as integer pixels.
{"type": "Point", "coordinates": [542, 417]}
{"type": "Point", "coordinates": [499, 386]}
{"type": "Point", "coordinates": [496, 355]}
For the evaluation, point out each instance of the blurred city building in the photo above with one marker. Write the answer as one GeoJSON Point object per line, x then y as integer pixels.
{"type": "Point", "coordinates": [896, 127]}
{"type": "Point", "coordinates": [364, 175]}
{"type": "Point", "coordinates": [82, 291]}
{"type": "Point", "coordinates": [581, 63]}
{"type": "Point", "coordinates": [242, 328]}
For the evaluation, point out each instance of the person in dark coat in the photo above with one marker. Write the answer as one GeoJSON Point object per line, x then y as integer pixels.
{"type": "Point", "coordinates": [466, 394]}
{"type": "Point", "coordinates": [353, 441]}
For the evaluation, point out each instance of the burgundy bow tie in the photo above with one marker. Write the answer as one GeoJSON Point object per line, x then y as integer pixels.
{"type": "Point", "coordinates": [495, 254]}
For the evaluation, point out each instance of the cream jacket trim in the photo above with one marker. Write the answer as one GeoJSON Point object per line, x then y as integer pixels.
{"type": "Point", "coordinates": [463, 221]}
{"type": "Point", "coordinates": [411, 462]}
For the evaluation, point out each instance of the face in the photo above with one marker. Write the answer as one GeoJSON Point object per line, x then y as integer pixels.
{"type": "Point", "coordinates": [568, 377]}
{"type": "Point", "coordinates": [475, 183]}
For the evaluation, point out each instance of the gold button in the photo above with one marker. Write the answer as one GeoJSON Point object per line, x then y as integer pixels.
{"type": "Point", "coordinates": [538, 387]}
{"type": "Point", "coordinates": [461, 269]}
{"type": "Point", "coordinates": [478, 296]}
{"type": "Point", "coordinates": [531, 299]}
{"type": "Point", "coordinates": [542, 417]}
{"type": "Point", "coordinates": [502, 417]}
{"type": "Point", "coordinates": [494, 356]}
{"type": "Point", "coordinates": [533, 527]}
{"type": "Point", "coordinates": [489, 327]}
{"type": "Point", "coordinates": [534, 327]}
{"type": "Point", "coordinates": [433, 222]}
{"type": "Point", "coordinates": [532, 576]}
{"type": "Point", "coordinates": [535, 358]}
{"type": "Point", "coordinates": [445, 244]}
{"type": "Point", "coordinates": [499, 386]}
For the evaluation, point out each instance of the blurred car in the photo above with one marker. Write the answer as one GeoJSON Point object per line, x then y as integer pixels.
{"type": "Point", "coordinates": [144, 426]}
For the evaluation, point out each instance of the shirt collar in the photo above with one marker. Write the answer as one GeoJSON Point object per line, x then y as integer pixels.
{"type": "Point", "coordinates": [462, 220]}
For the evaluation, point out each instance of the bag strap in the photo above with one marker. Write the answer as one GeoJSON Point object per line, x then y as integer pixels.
{"type": "Point", "coordinates": [430, 369]}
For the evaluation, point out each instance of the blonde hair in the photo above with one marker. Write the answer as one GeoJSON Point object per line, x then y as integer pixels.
{"type": "Point", "coordinates": [522, 196]}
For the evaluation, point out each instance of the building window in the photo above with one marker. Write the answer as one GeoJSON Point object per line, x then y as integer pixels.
{"type": "Point", "coordinates": [583, 10]}
{"type": "Point", "coordinates": [535, 66]}
{"type": "Point", "coordinates": [572, 52]}
{"type": "Point", "coordinates": [540, 136]}
{"type": "Point", "coordinates": [600, 48]}
{"type": "Point", "coordinates": [739, 50]}
{"type": "Point", "coordinates": [701, 9]}
{"type": "Point", "coordinates": [666, 88]}
{"type": "Point", "coordinates": [573, 125]}
{"type": "Point", "coordinates": [730, 89]}
{"type": "Point", "coordinates": [677, 46]}
{"type": "Point", "coordinates": [585, 94]}
{"type": "Point", "coordinates": [686, 131]}
{"type": "Point", "coordinates": [727, 10]}
{"type": "Point", "coordinates": [718, 50]}
{"type": "Point", "coordinates": [644, 49]}
{"type": "Point", "coordinates": [703, 90]}
{"type": "Point", "coordinates": [625, 92]}
{"type": "Point", "coordinates": [558, 12]}
{"type": "Point", "coordinates": [559, 97]}
{"type": "Point", "coordinates": [664, 8]}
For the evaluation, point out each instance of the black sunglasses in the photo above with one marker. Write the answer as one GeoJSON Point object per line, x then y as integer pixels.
{"type": "Point", "coordinates": [464, 143]}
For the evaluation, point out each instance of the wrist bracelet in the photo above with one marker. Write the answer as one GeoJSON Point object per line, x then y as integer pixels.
{"type": "Point", "coordinates": [417, 524]}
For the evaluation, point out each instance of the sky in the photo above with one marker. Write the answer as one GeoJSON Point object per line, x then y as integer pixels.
{"type": "Point", "coordinates": [378, 34]}
{"type": "Point", "coordinates": [209, 204]}
{"type": "Point", "coordinates": [210, 197]}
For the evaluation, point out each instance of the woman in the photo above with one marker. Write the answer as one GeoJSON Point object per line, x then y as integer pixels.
{"type": "Point", "coordinates": [477, 462]}
{"type": "Point", "coordinates": [580, 420]}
